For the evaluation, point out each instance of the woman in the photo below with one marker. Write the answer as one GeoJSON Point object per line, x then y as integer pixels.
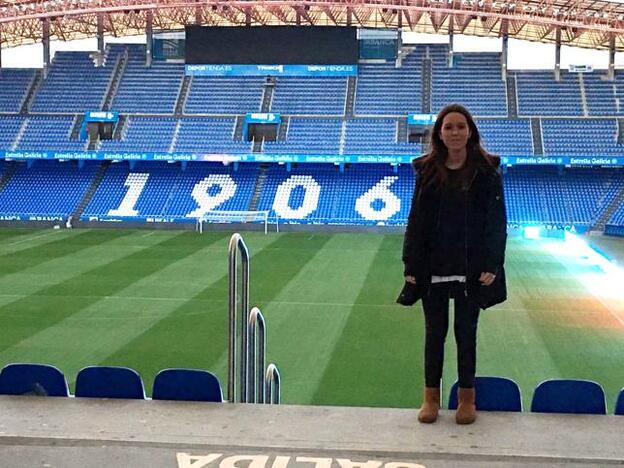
{"type": "Point", "coordinates": [455, 247]}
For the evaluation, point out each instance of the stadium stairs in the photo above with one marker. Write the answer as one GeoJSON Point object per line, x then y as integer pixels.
{"type": "Point", "coordinates": [605, 216]}
{"type": "Point", "coordinates": [93, 186]}
{"type": "Point", "coordinates": [512, 101]}
{"type": "Point", "coordinates": [267, 96]}
{"type": "Point", "coordinates": [350, 100]}
{"type": "Point", "coordinates": [75, 133]}
{"type": "Point", "coordinates": [78, 432]}
{"type": "Point", "coordinates": [32, 91]}
{"type": "Point", "coordinates": [119, 68]}
{"type": "Point", "coordinates": [183, 95]}
{"type": "Point", "coordinates": [8, 173]}
{"type": "Point", "coordinates": [536, 132]}
{"type": "Point", "coordinates": [238, 129]}
{"type": "Point", "coordinates": [426, 85]}
{"type": "Point", "coordinates": [259, 187]}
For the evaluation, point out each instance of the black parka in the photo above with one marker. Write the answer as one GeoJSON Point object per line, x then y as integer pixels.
{"type": "Point", "coordinates": [486, 233]}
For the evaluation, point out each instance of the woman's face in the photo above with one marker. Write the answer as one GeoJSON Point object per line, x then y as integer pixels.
{"type": "Point", "coordinates": [455, 131]}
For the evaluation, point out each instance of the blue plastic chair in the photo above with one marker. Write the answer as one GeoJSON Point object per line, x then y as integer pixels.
{"type": "Point", "coordinates": [109, 382]}
{"type": "Point", "coordinates": [33, 379]}
{"type": "Point", "coordinates": [492, 394]}
{"type": "Point", "coordinates": [569, 396]}
{"type": "Point", "coordinates": [619, 404]}
{"type": "Point", "coordinates": [187, 385]}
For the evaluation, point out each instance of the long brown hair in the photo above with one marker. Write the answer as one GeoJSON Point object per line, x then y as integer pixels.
{"type": "Point", "coordinates": [432, 165]}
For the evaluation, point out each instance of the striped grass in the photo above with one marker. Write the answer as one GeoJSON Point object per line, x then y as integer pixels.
{"type": "Point", "coordinates": [157, 299]}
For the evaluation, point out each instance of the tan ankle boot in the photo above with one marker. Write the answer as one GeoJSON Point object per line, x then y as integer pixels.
{"type": "Point", "coordinates": [466, 409]}
{"type": "Point", "coordinates": [431, 404]}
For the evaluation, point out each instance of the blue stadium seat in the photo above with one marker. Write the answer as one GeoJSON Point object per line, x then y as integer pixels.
{"type": "Point", "coordinates": [471, 71]}
{"type": "Point", "coordinates": [33, 379]}
{"type": "Point", "coordinates": [539, 94]}
{"type": "Point", "coordinates": [187, 385]}
{"type": "Point", "coordinates": [383, 89]}
{"type": "Point", "coordinates": [54, 190]}
{"type": "Point", "coordinates": [619, 404]}
{"type": "Point", "coordinates": [146, 89]}
{"type": "Point", "coordinates": [310, 95]}
{"type": "Point", "coordinates": [569, 396]}
{"type": "Point", "coordinates": [224, 95]}
{"type": "Point", "coordinates": [168, 191]}
{"type": "Point", "coordinates": [492, 394]}
{"type": "Point", "coordinates": [14, 84]}
{"type": "Point", "coordinates": [74, 83]}
{"type": "Point", "coordinates": [9, 128]}
{"type": "Point", "coordinates": [109, 382]}
{"type": "Point", "coordinates": [309, 136]}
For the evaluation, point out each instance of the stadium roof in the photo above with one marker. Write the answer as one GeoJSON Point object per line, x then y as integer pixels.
{"type": "Point", "coordinates": [585, 23]}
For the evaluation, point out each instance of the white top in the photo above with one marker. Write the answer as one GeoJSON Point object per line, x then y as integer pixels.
{"type": "Point", "coordinates": [445, 279]}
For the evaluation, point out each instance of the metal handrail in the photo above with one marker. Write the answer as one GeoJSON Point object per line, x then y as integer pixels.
{"type": "Point", "coordinates": [272, 385]}
{"type": "Point", "coordinates": [256, 356]}
{"type": "Point", "coordinates": [237, 244]}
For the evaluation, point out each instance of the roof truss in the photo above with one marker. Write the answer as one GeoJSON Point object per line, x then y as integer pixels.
{"type": "Point", "coordinates": [583, 23]}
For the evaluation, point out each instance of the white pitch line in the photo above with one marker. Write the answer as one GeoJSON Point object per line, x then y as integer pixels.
{"type": "Point", "coordinates": [31, 238]}
{"type": "Point", "coordinates": [294, 303]}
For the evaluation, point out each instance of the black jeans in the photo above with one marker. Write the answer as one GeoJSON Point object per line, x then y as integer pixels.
{"type": "Point", "coordinates": [436, 307]}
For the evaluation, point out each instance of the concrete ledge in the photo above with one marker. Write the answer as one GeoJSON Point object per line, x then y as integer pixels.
{"type": "Point", "coordinates": [158, 431]}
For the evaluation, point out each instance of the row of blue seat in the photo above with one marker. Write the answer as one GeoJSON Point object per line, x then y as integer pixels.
{"type": "Point", "coordinates": [382, 89]}
{"type": "Point", "coordinates": [542, 195]}
{"type": "Point", "coordinates": [551, 396]}
{"type": "Point", "coordinates": [574, 137]}
{"type": "Point", "coordinates": [492, 393]}
{"type": "Point", "coordinates": [109, 382]}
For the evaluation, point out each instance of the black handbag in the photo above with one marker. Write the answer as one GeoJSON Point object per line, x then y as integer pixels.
{"type": "Point", "coordinates": [495, 293]}
{"type": "Point", "coordinates": [410, 294]}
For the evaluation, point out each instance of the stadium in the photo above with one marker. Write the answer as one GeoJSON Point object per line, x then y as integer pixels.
{"type": "Point", "coordinates": [126, 170]}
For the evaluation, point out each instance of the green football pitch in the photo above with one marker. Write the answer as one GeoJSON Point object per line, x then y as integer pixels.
{"type": "Point", "coordinates": [156, 299]}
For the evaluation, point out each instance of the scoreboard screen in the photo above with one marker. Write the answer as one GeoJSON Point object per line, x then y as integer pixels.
{"type": "Point", "coordinates": [269, 45]}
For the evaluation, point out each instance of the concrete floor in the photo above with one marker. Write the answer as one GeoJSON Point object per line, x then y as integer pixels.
{"type": "Point", "coordinates": [80, 432]}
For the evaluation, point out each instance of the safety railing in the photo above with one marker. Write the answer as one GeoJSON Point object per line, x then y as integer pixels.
{"type": "Point", "coordinates": [256, 384]}
{"type": "Point", "coordinates": [272, 384]}
{"type": "Point", "coordinates": [256, 342]}
{"type": "Point", "coordinates": [237, 244]}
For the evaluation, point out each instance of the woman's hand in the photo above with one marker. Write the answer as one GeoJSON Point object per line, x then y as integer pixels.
{"type": "Point", "coordinates": [487, 278]}
{"type": "Point", "coordinates": [410, 279]}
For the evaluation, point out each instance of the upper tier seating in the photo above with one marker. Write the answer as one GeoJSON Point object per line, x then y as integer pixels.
{"type": "Point", "coordinates": [13, 86]}
{"type": "Point", "coordinates": [383, 89]}
{"type": "Point", "coordinates": [73, 84]}
{"type": "Point", "coordinates": [224, 95]}
{"type": "Point", "coordinates": [475, 81]}
{"type": "Point", "coordinates": [539, 94]}
{"type": "Point", "coordinates": [310, 96]}
{"type": "Point", "coordinates": [144, 89]}
{"type": "Point", "coordinates": [600, 94]}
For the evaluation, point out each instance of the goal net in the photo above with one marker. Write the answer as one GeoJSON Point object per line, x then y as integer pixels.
{"type": "Point", "coordinates": [235, 217]}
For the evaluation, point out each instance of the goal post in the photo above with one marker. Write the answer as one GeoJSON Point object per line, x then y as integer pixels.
{"type": "Point", "coordinates": [235, 217]}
